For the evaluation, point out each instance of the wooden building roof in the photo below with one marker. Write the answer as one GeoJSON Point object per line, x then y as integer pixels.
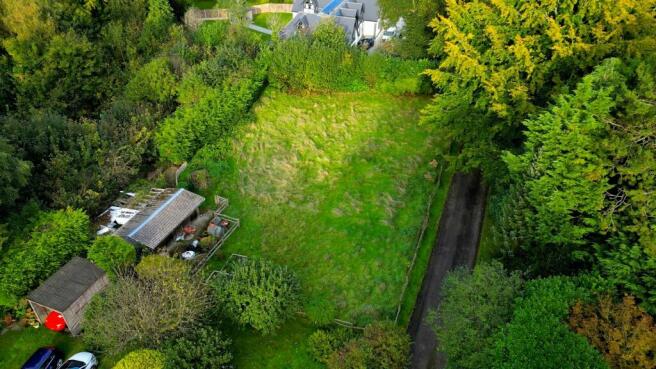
{"type": "Point", "coordinates": [160, 217]}
{"type": "Point", "coordinates": [67, 285]}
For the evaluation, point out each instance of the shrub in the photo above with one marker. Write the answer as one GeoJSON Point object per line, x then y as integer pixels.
{"type": "Point", "coordinates": [258, 294]}
{"type": "Point", "coordinates": [474, 305]}
{"type": "Point", "coordinates": [622, 332]}
{"type": "Point", "coordinates": [537, 337]}
{"type": "Point", "coordinates": [324, 342]}
{"type": "Point", "coordinates": [383, 345]}
{"type": "Point", "coordinates": [203, 348]}
{"type": "Point", "coordinates": [56, 237]}
{"type": "Point", "coordinates": [141, 359]}
{"type": "Point", "coordinates": [154, 82]}
{"type": "Point", "coordinates": [163, 300]}
{"type": "Point", "coordinates": [111, 254]}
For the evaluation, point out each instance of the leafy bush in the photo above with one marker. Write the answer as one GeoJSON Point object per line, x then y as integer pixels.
{"type": "Point", "coordinates": [474, 306]}
{"type": "Point", "coordinates": [170, 301]}
{"type": "Point", "coordinates": [154, 82]}
{"type": "Point", "coordinates": [141, 359]}
{"type": "Point", "coordinates": [537, 337]}
{"type": "Point", "coordinates": [324, 342]}
{"type": "Point", "coordinates": [383, 345]}
{"type": "Point", "coordinates": [202, 348]}
{"type": "Point", "coordinates": [54, 240]}
{"type": "Point", "coordinates": [258, 294]}
{"type": "Point", "coordinates": [112, 253]}
{"type": "Point", "coordinates": [622, 332]}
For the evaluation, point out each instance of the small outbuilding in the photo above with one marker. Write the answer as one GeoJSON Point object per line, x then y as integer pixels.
{"type": "Point", "coordinates": [160, 217]}
{"type": "Point", "coordinates": [67, 293]}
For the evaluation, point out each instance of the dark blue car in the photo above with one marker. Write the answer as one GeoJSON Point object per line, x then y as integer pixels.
{"type": "Point", "coordinates": [44, 358]}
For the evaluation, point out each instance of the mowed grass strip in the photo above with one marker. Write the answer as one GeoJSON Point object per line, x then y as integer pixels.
{"type": "Point", "coordinates": [334, 186]}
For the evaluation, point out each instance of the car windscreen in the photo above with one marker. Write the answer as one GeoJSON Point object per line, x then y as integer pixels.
{"type": "Point", "coordinates": [72, 364]}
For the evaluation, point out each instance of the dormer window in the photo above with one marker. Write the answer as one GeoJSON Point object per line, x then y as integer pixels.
{"type": "Point", "coordinates": [310, 6]}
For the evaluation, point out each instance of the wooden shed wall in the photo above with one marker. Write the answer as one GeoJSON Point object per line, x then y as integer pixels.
{"type": "Point", "coordinates": [75, 312]}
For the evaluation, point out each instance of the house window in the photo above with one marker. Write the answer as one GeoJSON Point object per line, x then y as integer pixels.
{"type": "Point", "coordinates": [309, 5]}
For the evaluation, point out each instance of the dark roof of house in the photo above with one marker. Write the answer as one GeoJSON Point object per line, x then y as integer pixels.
{"type": "Point", "coordinates": [311, 21]}
{"type": "Point", "coordinates": [67, 285]}
{"type": "Point", "coordinates": [160, 217]}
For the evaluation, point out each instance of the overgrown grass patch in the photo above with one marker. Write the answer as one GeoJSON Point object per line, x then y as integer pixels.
{"type": "Point", "coordinates": [334, 186]}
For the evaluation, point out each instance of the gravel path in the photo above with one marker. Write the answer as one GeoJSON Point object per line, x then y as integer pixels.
{"type": "Point", "coordinates": [457, 243]}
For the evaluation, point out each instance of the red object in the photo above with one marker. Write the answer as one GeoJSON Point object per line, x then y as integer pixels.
{"type": "Point", "coordinates": [189, 229]}
{"type": "Point", "coordinates": [55, 321]}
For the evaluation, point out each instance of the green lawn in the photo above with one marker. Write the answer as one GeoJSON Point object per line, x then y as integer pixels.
{"type": "Point", "coordinates": [335, 187]}
{"type": "Point", "coordinates": [265, 19]}
{"type": "Point", "coordinates": [17, 346]}
{"type": "Point", "coordinates": [209, 4]}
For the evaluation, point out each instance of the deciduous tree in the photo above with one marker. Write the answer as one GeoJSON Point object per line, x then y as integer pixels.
{"type": "Point", "coordinates": [622, 332]}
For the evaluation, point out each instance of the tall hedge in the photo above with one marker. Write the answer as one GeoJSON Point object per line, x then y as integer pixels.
{"type": "Point", "coordinates": [213, 117]}
{"type": "Point", "coordinates": [55, 239]}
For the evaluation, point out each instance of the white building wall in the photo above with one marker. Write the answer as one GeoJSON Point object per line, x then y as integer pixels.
{"type": "Point", "coordinates": [370, 29]}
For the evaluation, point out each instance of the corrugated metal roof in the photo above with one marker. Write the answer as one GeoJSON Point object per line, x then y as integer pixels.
{"type": "Point", "coordinates": [64, 287]}
{"type": "Point", "coordinates": [152, 225]}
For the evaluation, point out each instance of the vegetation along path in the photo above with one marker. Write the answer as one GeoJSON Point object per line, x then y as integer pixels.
{"type": "Point", "coordinates": [456, 245]}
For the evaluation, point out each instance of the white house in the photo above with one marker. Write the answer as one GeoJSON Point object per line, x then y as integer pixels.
{"type": "Point", "coordinates": [359, 18]}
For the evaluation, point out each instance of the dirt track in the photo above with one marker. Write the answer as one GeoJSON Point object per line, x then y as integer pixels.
{"type": "Point", "coordinates": [457, 243]}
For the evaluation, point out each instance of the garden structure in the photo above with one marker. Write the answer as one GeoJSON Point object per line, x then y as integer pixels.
{"type": "Point", "coordinates": [154, 220]}
{"type": "Point", "coordinates": [66, 293]}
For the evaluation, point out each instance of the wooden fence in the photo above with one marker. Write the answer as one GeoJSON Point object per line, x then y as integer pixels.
{"type": "Point", "coordinates": [194, 17]}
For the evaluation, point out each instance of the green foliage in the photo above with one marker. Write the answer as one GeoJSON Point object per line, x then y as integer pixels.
{"type": "Point", "coordinates": [112, 254]}
{"type": "Point", "coordinates": [632, 271]}
{"type": "Point", "coordinates": [394, 75]}
{"type": "Point", "coordinates": [203, 348]}
{"type": "Point", "coordinates": [382, 345]}
{"type": "Point", "coordinates": [55, 238]}
{"type": "Point", "coordinates": [323, 343]}
{"type": "Point", "coordinates": [14, 174]}
{"type": "Point", "coordinates": [154, 82]}
{"type": "Point", "coordinates": [538, 337]}
{"type": "Point", "coordinates": [170, 302]}
{"type": "Point", "coordinates": [258, 294]}
{"type": "Point", "coordinates": [212, 118]}
{"type": "Point", "coordinates": [584, 161]}
{"type": "Point", "coordinates": [159, 19]}
{"type": "Point", "coordinates": [500, 61]}
{"type": "Point", "coordinates": [474, 306]}
{"type": "Point", "coordinates": [317, 61]}
{"type": "Point", "coordinates": [141, 359]}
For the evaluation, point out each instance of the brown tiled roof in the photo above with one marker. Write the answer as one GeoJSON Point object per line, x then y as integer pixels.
{"type": "Point", "coordinates": [64, 287]}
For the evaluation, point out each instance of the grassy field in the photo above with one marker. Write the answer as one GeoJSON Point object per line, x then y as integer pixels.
{"type": "Point", "coordinates": [17, 346]}
{"type": "Point", "coordinates": [264, 19]}
{"type": "Point", "coordinates": [335, 187]}
{"type": "Point", "coordinates": [209, 4]}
